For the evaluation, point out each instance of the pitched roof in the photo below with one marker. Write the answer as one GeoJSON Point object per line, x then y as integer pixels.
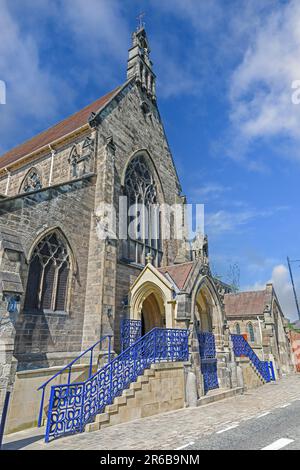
{"type": "Point", "coordinates": [178, 272]}
{"type": "Point", "coordinates": [68, 125]}
{"type": "Point", "coordinates": [246, 303]}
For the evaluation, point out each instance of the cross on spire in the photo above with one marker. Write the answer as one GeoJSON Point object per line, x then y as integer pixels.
{"type": "Point", "coordinates": [141, 23]}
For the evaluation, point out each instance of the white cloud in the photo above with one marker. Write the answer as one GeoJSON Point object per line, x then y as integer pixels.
{"type": "Point", "coordinates": [283, 288]}
{"type": "Point", "coordinates": [211, 190]}
{"type": "Point", "coordinates": [260, 90]}
{"type": "Point", "coordinates": [225, 221]}
{"type": "Point", "coordinates": [32, 91]}
{"type": "Point", "coordinates": [99, 26]}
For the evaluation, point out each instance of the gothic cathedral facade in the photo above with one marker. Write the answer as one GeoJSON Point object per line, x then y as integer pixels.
{"type": "Point", "coordinates": [63, 285]}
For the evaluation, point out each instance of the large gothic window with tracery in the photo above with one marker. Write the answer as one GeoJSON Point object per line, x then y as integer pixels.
{"type": "Point", "coordinates": [48, 276]}
{"type": "Point", "coordinates": [143, 221]}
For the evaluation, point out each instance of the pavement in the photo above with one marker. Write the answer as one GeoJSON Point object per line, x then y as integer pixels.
{"type": "Point", "coordinates": [266, 416]}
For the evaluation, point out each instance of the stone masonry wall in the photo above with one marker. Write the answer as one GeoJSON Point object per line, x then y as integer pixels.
{"type": "Point", "coordinates": [125, 130]}
{"type": "Point", "coordinates": [44, 339]}
{"type": "Point", "coordinates": [62, 171]}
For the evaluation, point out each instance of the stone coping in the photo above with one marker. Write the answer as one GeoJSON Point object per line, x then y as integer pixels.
{"type": "Point", "coordinates": [54, 369]}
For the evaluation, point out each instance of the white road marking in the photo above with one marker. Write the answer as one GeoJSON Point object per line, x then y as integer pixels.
{"type": "Point", "coordinates": [279, 444]}
{"type": "Point", "coordinates": [285, 406]}
{"type": "Point", "coordinates": [263, 414]}
{"type": "Point", "coordinates": [186, 445]}
{"type": "Point", "coordinates": [227, 429]}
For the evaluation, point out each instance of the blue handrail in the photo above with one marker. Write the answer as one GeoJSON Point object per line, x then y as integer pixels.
{"type": "Point", "coordinates": [241, 347]}
{"type": "Point", "coordinates": [72, 406]}
{"type": "Point", "coordinates": [69, 368]}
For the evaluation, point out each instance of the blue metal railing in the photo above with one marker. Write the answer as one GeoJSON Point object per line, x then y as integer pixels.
{"type": "Point", "coordinates": [72, 406]}
{"type": "Point", "coordinates": [241, 347]}
{"type": "Point", "coordinates": [131, 331]}
{"type": "Point", "coordinates": [69, 369]}
{"type": "Point", "coordinates": [271, 370]}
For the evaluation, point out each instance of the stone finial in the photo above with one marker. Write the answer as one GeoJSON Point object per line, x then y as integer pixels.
{"type": "Point", "coordinates": [149, 258]}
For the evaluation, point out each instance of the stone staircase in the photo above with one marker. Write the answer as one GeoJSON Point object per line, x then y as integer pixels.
{"type": "Point", "coordinates": [160, 389]}
{"type": "Point", "coordinates": [251, 376]}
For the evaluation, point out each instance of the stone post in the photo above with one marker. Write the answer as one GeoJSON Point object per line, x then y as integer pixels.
{"type": "Point", "coordinates": [11, 289]}
{"type": "Point", "coordinates": [8, 364]}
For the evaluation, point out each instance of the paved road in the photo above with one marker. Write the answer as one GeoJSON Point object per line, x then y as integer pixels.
{"type": "Point", "coordinates": [261, 417]}
{"type": "Point", "coordinates": [276, 429]}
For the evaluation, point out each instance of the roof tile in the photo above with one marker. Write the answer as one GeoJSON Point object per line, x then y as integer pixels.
{"type": "Point", "coordinates": [246, 303]}
{"type": "Point", "coordinates": [178, 272]}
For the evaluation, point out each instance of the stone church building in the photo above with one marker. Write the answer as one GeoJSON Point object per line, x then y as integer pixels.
{"type": "Point", "coordinates": [63, 286]}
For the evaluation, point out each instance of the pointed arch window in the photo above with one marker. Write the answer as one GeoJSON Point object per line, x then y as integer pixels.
{"type": "Point", "coordinates": [48, 277]}
{"type": "Point", "coordinates": [32, 181]}
{"type": "Point", "coordinates": [143, 223]}
{"type": "Point", "coordinates": [251, 333]}
{"type": "Point", "coordinates": [237, 329]}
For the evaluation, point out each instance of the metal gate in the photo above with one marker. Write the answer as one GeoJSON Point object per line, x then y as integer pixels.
{"type": "Point", "coordinates": [207, 349]}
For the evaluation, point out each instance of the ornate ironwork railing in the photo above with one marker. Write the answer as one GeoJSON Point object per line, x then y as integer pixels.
{"type": "Point", "coordinates": [131, 331]}
{"type": "Point", "coordinates": [207, 344]}
{"type": "Point", "coordinates": [72, 406]}
{"type": "Point", "coordinates": [68, 368]}
{"type": "Point", "coordinates": [209, 369]}
{"type": "Point", "coordinates": [241, 347]}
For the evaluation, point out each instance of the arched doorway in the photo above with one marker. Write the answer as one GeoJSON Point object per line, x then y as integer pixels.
{"type": "Point", "coordinates": [203, 312]}
{"type": "Point", "coordinates": [152, 313]}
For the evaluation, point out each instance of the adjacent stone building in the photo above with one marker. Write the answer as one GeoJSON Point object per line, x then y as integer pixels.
{"type": "Point", "coordinates": [68, 278]}
{"type": "Point", "coordinates": [258, 316]}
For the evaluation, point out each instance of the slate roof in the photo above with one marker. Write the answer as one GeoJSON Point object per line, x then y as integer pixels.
{"type": "Point", "coordinates": [68, 125]}
{"type": "Point", "coordinates": [178, 272]}
{"type": "Point", "coordinates": [246, 303]}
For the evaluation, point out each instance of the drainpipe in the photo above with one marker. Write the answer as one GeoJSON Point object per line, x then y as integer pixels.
{"type": "Point", "coordinates": [261, 338]}
{"type": "Point", "coordinates": [53, 152]}
{"type": "Point", "coordinates": [8, 181]}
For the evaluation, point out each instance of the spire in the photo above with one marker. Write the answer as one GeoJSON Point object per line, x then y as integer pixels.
{"type": "Point", "coordinates": [139, 63]}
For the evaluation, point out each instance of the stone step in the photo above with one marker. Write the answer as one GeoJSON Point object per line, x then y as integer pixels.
{"type": "Point", "coordinates": [128, 407]}
{"type": "Point", "coordinates": [257, 373]}
{"type": "Point", "coordinates": [128, 393]}
{"type": "Point", "coordinates": [121, 400]}
{"type": "Point", "coordinates": [143, 379]}
{"type": "Point", "coordinates": [135, 386]}
{"type": "Point", "coordinates": [102, 418]}
{"type": "Point", "coordinates": [219, 394]}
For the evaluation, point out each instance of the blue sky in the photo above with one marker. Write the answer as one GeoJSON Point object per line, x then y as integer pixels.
{"type": "Point", "coordinates": [225, 70]}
